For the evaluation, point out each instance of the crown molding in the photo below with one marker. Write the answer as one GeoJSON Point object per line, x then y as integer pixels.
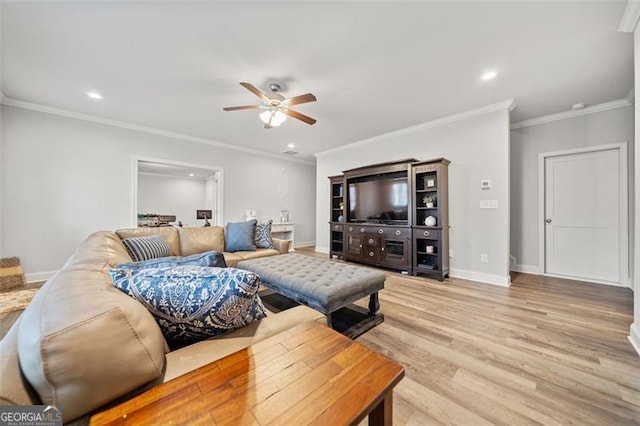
{"type": "Point", "coordinates": [630, 17]}
{"type": "Point", "coordinates": [139, 128]}
{"type": "Point", "coordinates": [607, 106]}
{"type": "Point", "coordinates": [508, 105]}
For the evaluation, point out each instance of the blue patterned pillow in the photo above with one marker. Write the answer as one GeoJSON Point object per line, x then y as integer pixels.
{"type": "Point", "coordinates": [144, 248]}
{"type": "Point", "coordinates": [208, 258]}
{"type": "Point", "coordinates": [192, 303]}
{"type": "Point", "coordinates": [240, 236]}
{"type": "Point", "coordinates": [263, 234]}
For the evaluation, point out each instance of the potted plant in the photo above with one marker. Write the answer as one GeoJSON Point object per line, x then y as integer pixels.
{"type": "Point", "coordinates": [429, 201]}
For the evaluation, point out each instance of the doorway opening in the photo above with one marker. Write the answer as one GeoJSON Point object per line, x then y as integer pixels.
{"type": "Point", "coordinates": [171, 193]}
{"type": "Point", "coordinates": [583, 214]}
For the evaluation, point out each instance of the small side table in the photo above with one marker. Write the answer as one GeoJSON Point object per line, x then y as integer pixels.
{"type": "Point", "coordinates": [284, 231]}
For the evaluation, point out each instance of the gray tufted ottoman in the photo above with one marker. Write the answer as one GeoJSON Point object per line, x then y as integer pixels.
{"type": "Point", "coordinates": [321, 284]}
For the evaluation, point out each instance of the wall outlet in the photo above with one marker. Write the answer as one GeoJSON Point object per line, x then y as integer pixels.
{"type": "Point", "coordinates": [484, 258]}
{"type": "Point", "coordinates": [451, 253]}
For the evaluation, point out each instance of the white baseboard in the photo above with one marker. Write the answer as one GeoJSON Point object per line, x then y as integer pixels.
{"type": "Point", "coordinates": [587, 280]}
{"type": "Point", "coordinates": [322, 250]}
{"type": "Point", "coordinates": [504, 281]}
{"type": "Point", "coordinates": [526, 269]}
{"type": "Point", "coordinates": [634, 336]}
{"type": "Point", "coordinates": [39, 276]}
{"type": "Point", "coordinates": [304, 244]}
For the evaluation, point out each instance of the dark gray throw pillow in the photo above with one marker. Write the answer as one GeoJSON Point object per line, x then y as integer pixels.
{"type": "Point", "coordinates": [239, 236]}
{"type": "Point", "coordinates": [263, 235]}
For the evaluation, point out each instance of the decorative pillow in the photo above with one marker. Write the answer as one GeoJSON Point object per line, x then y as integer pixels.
{"type": "Point", "coordinates": [240, 236]}
{"type": "Point", "coordinates": [209, 258]}
{"type": "Point", "coordinates": [263, 234]}
{"type": "Point", "coordinates": [143, 248]}
{"type": "Point", "coordinates": [192, 303]}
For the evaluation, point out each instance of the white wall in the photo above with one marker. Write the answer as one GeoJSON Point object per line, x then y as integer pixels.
{"type": "Point", "coordinates": [634, 335]}
{"type": "Point", "coordinates": [601, 128]}
{"type": "Point", "coordinates": [478, 148]}
{"type": "Point", "coordinates": [210, 196]}
{"type": "Point", "coordinates": [65, 178]}
{"type": "Point", "coordinates": [171, 195]}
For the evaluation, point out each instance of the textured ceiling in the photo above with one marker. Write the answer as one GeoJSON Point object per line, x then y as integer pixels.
{"type": "Point", "coordinates": [374, 67]}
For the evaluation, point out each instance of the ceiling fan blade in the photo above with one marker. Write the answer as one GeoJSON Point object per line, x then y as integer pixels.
{"type": "Point", "coordinates": [301, 117]}
{"type": "Point", "coordinates": [236, 108]}
{"type": "Point", "coordinates": [302, 99]}
{"type": "Point", "coordinates": [253, 89]}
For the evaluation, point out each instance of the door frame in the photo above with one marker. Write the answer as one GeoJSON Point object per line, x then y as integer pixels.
{"type": "Point", "coordinates": [623, 262]}
{"type": "Point", "coordinates": [216, 171]}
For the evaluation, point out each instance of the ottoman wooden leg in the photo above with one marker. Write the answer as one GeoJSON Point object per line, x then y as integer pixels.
{"type": "Point", "coordinates": [374, 304]}
{"type": "Point", "coordinates": [329, 321]}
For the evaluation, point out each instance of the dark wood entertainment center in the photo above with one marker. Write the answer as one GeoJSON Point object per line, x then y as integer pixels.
{"type": "Point", "coordinates": [393, 215]}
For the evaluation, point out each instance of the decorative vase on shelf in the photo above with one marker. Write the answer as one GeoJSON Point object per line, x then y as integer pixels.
{"type": "Point", "coordinates": [429, 205]}
{"type": "Point", "coordinates": [430, 221]}
{"type": "Point", "coordinates": [341, 218]}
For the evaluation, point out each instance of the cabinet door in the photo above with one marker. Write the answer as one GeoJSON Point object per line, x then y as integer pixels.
{"type": "Point", "coordinates": [354, 244]}
{"type": "Point", "coordinates": [395, 250]}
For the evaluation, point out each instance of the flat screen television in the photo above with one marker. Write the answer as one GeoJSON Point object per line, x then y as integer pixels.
{"type": "Point", "coordinates": [379, 199]}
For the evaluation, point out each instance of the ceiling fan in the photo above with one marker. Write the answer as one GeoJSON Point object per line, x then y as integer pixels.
{"type": "Point", "coordinates": [275, 106]}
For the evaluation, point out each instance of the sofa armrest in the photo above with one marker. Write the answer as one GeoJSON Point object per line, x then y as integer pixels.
{"type": "Point", "coordinates": [281, 245]}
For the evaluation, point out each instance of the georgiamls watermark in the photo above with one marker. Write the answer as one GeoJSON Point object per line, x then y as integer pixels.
{"type": "Point", "coordinates": [30, 415]}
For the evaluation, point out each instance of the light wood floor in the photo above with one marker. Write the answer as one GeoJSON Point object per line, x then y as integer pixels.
{"type": "Point", "coordinates": [545, 351]}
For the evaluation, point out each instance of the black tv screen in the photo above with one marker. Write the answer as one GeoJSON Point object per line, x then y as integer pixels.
{"type": "Point", "coordinates": [383, 199]}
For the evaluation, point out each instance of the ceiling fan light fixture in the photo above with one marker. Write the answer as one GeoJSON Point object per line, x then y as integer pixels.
{"type": "Point", "coordinates": [273, 118]}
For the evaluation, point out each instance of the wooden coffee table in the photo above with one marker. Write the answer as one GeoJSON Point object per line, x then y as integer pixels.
{"type": "Point", "coordinates": [309, 374]}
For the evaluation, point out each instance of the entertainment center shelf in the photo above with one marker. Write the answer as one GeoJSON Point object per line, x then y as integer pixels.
{"type": "Point", "coordinates": [397, 216]}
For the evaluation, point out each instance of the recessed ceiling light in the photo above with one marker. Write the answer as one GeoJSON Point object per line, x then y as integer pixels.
{"type": "Point", "coordinates": [577, 106]}
{"type": "Point", "coordinates": [291, 145]}
{"type": "Point", "coordinates": [95, 95]}
{"type": "Point", "coordinates": [191, 175]}
{"type": "Point", "coordinates": [489, 75]}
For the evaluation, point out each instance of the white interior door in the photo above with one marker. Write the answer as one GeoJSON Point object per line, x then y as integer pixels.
{"type": "Point", "coordinates": [582, 215]}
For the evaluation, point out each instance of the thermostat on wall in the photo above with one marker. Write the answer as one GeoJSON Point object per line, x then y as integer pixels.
{"type": "Point", "coordinates": [485, 184]}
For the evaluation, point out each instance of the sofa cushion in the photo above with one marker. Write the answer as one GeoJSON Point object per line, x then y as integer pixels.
{"type": "Point", "coordinates": [191, 303]}
{"type": "Point", "coordinates": [240, 236]}
{"type": "Point", "coordinates": [78, 337]}
{"type": "Point", "coordinates": [169, 233]}
{"type": "Point", "coordinates": [263, 235]}
{"type": "Point", "coordinates": [255, 254]}
{"type": "Point", "coordinates": [144, 248]}
{"type": "Point", "coordinates": [14, 389]}
{"type": "Point", "coordinates": [231, 259]}
{"type": "Point", "coordinates": [197, 240]}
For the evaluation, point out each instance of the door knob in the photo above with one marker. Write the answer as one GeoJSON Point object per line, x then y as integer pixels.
{"type": "Point", "coordinates": [548, 220]}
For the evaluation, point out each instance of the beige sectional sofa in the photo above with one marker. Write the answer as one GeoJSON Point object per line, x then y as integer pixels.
{"type": "Point", "coordinates": [82, 343]}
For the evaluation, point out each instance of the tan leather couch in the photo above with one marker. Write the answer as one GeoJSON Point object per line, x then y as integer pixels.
{"type": "Point", "coordinates": [82, 343]}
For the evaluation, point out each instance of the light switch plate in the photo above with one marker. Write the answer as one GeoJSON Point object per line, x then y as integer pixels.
{"type": "Point", "coordinates": [488, 204]}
